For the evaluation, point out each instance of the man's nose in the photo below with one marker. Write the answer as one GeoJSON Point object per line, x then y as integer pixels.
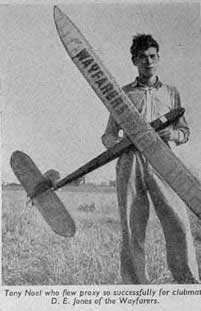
{"type": "Point", "coordinates": [149, 60]}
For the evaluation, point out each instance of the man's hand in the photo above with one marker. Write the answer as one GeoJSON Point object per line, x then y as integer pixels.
{"type": "Point", "coordinates": [168, 134]}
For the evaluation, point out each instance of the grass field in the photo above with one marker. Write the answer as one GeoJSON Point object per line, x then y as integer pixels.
{"type": "Point", "coordinates": [33, 255]}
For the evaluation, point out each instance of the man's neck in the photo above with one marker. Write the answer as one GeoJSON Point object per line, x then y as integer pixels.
{"type": "Point", "coordinates": [149, 81]}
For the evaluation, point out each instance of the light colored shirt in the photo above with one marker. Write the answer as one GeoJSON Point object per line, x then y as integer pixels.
{"type": "Point", "coordinates": [152, 103]}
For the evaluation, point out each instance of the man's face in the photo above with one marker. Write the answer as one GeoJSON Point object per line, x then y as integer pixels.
{"type": "Point", "coordinates": [147, 62]}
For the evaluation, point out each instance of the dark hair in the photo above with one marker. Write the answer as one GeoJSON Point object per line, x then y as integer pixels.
{"type": "Point", "coordinates": [142, 42]}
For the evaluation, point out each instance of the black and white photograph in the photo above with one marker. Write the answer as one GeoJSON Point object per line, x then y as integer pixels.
{"type": "Point", "coordinates": [101, 155]}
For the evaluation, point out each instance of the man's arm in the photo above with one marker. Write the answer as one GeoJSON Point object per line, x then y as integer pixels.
{"type": "Point", "coordinates": [181, 125]}
{"type": "Point", "coordinates": [179, 132]}
{"type": "Point", "coordinates": [111, 135]}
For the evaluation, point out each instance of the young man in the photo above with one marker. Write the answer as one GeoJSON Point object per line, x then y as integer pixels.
{"type": "Point", "coordinates": [138, 182]}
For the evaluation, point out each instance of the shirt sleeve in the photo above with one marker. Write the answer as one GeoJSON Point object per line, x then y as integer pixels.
{"type": "Point", "coordinates": [181, 126]}
{"type": "Point", "coordinates": [111, 135]}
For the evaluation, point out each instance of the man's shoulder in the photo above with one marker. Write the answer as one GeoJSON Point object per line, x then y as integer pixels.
{"type": "Point", "coordinates": [133, 87]}
{"type": "Point", "coordinates": [172, 89]}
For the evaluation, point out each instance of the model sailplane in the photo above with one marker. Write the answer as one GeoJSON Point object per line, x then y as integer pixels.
{"type": "Point", "coordinates": [140, 135]}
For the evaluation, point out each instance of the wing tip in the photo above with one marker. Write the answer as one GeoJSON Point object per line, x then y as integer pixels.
{"type": "Point", "coordinates": [57, 12]}
{"type": "Point", "coordinates": [15, 156]}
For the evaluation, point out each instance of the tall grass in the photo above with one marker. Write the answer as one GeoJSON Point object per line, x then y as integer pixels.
{"type": "Point", "coordinates": [33, 255]}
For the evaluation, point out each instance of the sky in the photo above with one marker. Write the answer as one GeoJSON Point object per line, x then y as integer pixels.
{"type": "Point", "coordinates": [52, 114]}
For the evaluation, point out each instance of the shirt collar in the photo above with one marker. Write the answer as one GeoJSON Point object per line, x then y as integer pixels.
{"type": "Point", "coordinates": [139, 83]}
